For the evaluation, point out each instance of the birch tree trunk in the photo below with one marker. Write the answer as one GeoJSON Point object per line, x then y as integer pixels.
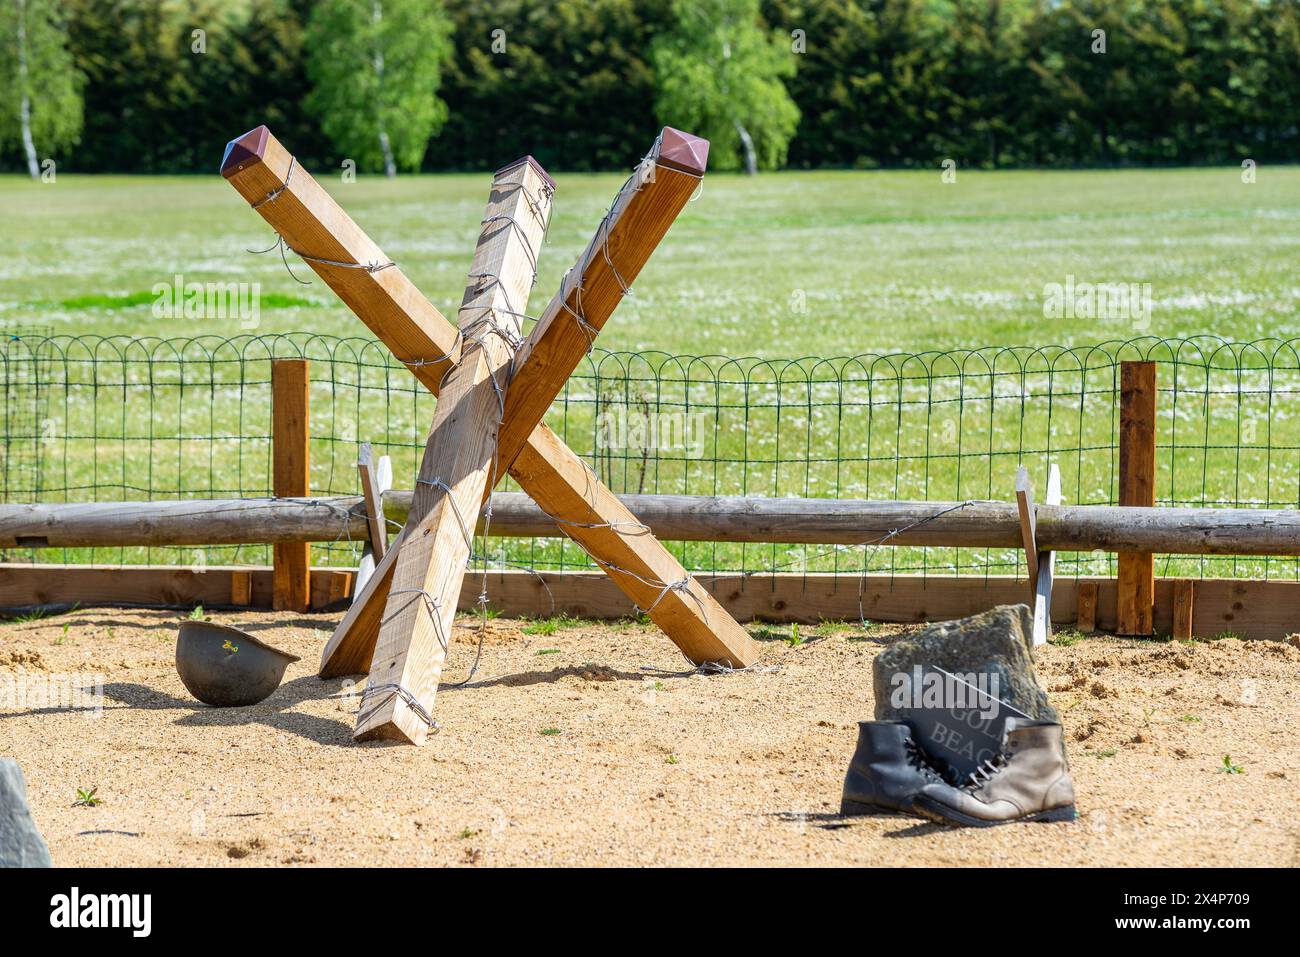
{"type": "Point", "coordinates": [25, 103]}
{"type": "Point", "coordinates": [747, 141]}
{"type": "Point", "coordinates": [390, 167]}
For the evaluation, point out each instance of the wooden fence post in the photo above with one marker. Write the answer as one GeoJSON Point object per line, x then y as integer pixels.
{"type": "Point", "coordinates": [1135, 598]}
{"type": "Point", "coordinates": [290, 438]}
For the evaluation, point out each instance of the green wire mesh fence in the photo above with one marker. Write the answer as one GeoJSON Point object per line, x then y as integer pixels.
{"type": "Point", "coordinates": [102, 419]}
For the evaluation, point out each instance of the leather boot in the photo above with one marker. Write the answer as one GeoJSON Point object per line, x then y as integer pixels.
{"type": "Point", "coordinates": [887, 771]}
{"type": "Point", "coordinates": [1028, 780]}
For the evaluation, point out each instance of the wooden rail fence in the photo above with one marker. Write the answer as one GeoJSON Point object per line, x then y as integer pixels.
{"type": "Point", "coordinates": [1135, 603]}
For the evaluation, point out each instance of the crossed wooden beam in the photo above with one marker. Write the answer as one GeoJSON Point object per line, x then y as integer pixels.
{"type": "Point", "coordinates": [494, 385]}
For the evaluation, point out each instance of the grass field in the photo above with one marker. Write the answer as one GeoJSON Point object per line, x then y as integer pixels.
{"type": "Point", "coordinates": [782, 265]}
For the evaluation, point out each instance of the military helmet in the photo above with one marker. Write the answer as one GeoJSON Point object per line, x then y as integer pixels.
{"type": "Point", "coordinates": [226, 667]}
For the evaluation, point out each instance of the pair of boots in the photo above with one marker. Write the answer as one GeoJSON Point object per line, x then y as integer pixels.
{"type": "Point", "coordinates": [1028, 780]}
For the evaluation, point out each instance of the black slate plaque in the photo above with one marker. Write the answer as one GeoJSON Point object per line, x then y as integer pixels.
{"type": "Point", "coordinates": [957, 723]}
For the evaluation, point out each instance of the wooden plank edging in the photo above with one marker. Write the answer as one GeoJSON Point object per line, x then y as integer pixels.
{"type": "Point", "coordinates": [1251, 609]}
{"type": "Point", "coordinates": [49, 585]}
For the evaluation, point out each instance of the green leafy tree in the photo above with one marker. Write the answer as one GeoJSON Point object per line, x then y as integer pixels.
{"type": "Point", "coordinates": [983, 80]}
{"type": "Point", "coordinates": [721, 75]}
{"type": "Point", "coordinates": [268, 78]}
{"type": "Point", "coordinates": [867, 84]}
{"type": "Point", "coordinates": [573, 76]}
{"type": "Point", "coordinates": [1278, 27]}
{"type": "Point", "coordinates": [578, 83]}
{"type": "Point", "coordinates": [40, 89]}
{"type": "Point", "coordinates": [375, 66]}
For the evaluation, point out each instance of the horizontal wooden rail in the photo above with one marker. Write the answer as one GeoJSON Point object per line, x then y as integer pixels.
{"type": "Point", "coordinates": [188, 522]}
{"type": "Point", "coordinates": [1180, 531]}
{"type": "Point", "coordinates": [1251, 609]}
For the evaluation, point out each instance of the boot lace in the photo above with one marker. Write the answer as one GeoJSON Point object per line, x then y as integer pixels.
{"type": "Point", "coordinates": [985, 773]}
{"type": "Point", "coordinates": [918, 759]}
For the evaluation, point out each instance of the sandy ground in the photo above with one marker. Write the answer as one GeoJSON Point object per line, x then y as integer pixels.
{"type": "Point", "coordinates": [590, 746]}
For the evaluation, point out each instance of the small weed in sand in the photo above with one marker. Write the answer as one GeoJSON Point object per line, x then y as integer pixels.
{"type": "Point", "coordinates": [869, 628]}
{"type": "Point", "coordinates": [549, 626]}
{"type": "Point", "coordinates": [1191, 719]}
{"type": "Point", "coordinates": [672, 759]}
{"type": "Point", "coordinates": [1103, 754]}
{"type": "Point", "coordinates": [64, 636]}
{"type": "Point", "coordinates": [547, 651]}
{"type": "Point", "coordinates": [38, 614]}
{"type": "Point", "coordinates": [827, 628]}
{"type": "Point", "coordinates": [550, 731]}
{"type": "Point", "coordinates": [469, 832]}
{"type": "Point", "coordinates": [197, 614]}
{"type": "Point", "coordinates": [1229, 768]}
{"type": "Point", "coordinates": [30, 616]}
{"type": "Point", "coordinates": [86, 797]}
{"type": "Point", "coordinates": [765, 632]}
{"type": "Point", "coordinates": [1066, 637]}
{"type": "Point", "coordinates": [1219, 636]}
{"type": "Point", "coordinates": [628, 622]}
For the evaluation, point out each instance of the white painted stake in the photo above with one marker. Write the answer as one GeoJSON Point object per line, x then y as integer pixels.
{"type": "Point", "coordinates": [1046, 568]}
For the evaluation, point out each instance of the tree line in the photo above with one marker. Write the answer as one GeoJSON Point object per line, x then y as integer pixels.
{"type": "Point", "coordinates": [156, 86]}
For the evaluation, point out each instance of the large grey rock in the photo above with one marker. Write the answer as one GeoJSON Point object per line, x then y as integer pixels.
{"type": "Point", "coordinates": [21, 844]}
{"type": "Point", "coordinates": [998, 641]}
